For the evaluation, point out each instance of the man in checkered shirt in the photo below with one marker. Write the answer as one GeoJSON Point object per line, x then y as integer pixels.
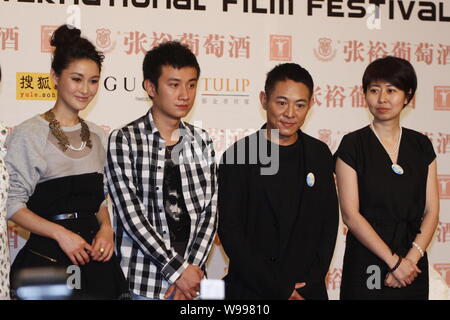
{"type": "Point", "coordinates": [162, 180]}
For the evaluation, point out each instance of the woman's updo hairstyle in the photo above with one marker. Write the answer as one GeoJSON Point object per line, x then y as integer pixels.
{"type": "Point", "coordinates": [70, 46]}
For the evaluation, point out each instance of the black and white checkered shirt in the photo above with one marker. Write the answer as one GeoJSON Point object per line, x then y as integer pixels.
{"type": "Point", "coordinates": [135, 174]}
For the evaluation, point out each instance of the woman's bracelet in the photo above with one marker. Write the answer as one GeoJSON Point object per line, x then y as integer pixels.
{"type": "Point", "coordinates": [396, 265]}
{"type": "Point", "coordinates": [418, 248]}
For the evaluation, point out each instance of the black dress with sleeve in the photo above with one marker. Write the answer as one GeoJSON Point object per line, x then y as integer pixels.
{"type": "Point", "coordinates": [82, 194]}
{"type": "Point", "coordinates": [392, 203]}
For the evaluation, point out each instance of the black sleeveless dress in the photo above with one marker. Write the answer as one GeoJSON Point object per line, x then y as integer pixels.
{"type": "Point", "coordinates": [393, 205]}
{"type": "Point", "coordinates": [82, 194]}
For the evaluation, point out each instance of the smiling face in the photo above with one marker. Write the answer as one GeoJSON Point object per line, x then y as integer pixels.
{"type": "Point", "coordinates": [77, 84]}
{"type": "Point", "coordinates": [176, 90]}
{"type": "Point", "coordinates": [385, 101]}
{"type": "Point", "coordinates": [287, 107]}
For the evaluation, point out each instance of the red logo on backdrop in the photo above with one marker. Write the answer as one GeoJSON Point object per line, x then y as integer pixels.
{"type": "Point", "coordinates": [223, 138]}
{"type": "Point", "coordinates": [444, 270]}
{"type": "Point", "coordinates": [103, 40]}
{"type": "Point", "coordinates": [444, 186]}
{"type": "Point", "coordinates": [9, 38]}
{"type": "Point", "coordinates": [325, 52]}
{"type": "Point", "coordinates": [333, 279]}
{"type": "Point", "coordinates": [443, 232]}
{"type": "Point", "coordinates": [325, 136]}
{"type": "Point", "coordinates": [442, 98]}
{"type": "Point", "coordinates": [13, 236]}
{"type": "Point", "coordinates": [280, 48]}
{"type": "Point", "coordinates": [46, 36]}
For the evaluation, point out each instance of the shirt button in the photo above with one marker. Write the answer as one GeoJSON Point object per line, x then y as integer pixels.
{"type": "Point", "coordinates": [157, 188]}
{"type": "Point", "coordinates": [159, 167]}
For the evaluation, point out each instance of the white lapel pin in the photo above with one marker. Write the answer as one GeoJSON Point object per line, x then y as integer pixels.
{"type": "Point", "coordinates": [397, 169]}
{"type": "Point", "coordinates": [310, 179]}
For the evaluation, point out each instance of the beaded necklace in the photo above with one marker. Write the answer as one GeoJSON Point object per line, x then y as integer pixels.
{"type": "Point", "coordinates": [63, 141]}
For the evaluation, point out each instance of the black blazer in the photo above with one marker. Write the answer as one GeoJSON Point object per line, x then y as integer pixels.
{"type": "Point", "coordinates": [269, 253]}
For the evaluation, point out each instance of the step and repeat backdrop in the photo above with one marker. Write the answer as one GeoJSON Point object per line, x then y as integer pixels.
{"type": "Point", "coordinates": [237, 42]}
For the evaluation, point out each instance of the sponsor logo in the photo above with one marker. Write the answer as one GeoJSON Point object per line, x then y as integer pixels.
{"type": "Point", "coordinates": [129, 84]}
{"type": "Point", "coordinates": [333, 279]}
{"type": "Point", "coordinates": [46, 36]}
{"type": "Point", "coordinates": [325, 52]}
{"type": "Point", "coordinates": [444, 270]}
{"type": "Point", "coordinates": [224, 91]}
{"type": "Point", "coordinates": [104, 41]}
{"type": "Point", "coordinates": [442, 98]}
{"type": "Point", "coordinates": [122, 84]}
{"type": "Point", "coordinates": [13, 236]}
{"type": "Point", "coordinates": [280, 48]}
{"type": "Point", "coordinates": [331, 138]}
{"type": "Point", "coordinates": [224, 138]}
{"type": "Point", "coordinates": [9, 38]}
{"type": "Point", "coordinates": [444, 186]}
{"type": "Point", "coordinates": [325, 135]}
{"type": "Point", "coordinates": [440, 141]}
{"type": "Point", "coordinates": [138, 42]}
{"type": "Point", "coordinates": [34, 86]}
{"type": "Point", "coordinates": [443, 232]}
{"type": "Point", "coordinates": [356, 51]}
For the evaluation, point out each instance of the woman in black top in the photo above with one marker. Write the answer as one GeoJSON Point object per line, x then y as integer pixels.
{"type": "Point", "coordinates": [388, 192]}
{"type": "Point", "coordinates": [55, 162]}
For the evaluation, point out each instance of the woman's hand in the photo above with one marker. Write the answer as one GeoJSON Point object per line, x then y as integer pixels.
{"type": "Point", "coordinates": [295, 295]}
{"type": "Point", "coordinates": [74, 246]}
{"type": "Point", "coordinates": [103, 244]}
{"type": "Point", "coordinates": [391, 282]}
{"type": "Point", "coordinates": [406, 272]}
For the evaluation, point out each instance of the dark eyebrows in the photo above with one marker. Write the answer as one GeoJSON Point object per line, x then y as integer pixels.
{"type": "Point", "coordinates": [378, 85]}
{"type": "Point", "coordinates": [82, 75]}
{"type": "Point", "coordinates": [299, 100]}
{"type": "Point", "coordinates": [178, 80]}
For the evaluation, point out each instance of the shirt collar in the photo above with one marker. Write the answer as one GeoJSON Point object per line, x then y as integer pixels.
{"type": "Point", "coordinates": [150, 126]}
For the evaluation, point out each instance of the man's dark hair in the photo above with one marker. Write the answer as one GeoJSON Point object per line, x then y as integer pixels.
{"type": "Point", "coordinates": [398, 72]}
{"type": "Point", "coordinates": [288, 71]}
{"type": "Point", "coordinates": [171, 53]}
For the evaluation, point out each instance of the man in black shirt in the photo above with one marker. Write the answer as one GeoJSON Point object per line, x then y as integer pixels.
{"type": "Point", "coordinates": [278, 207]}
